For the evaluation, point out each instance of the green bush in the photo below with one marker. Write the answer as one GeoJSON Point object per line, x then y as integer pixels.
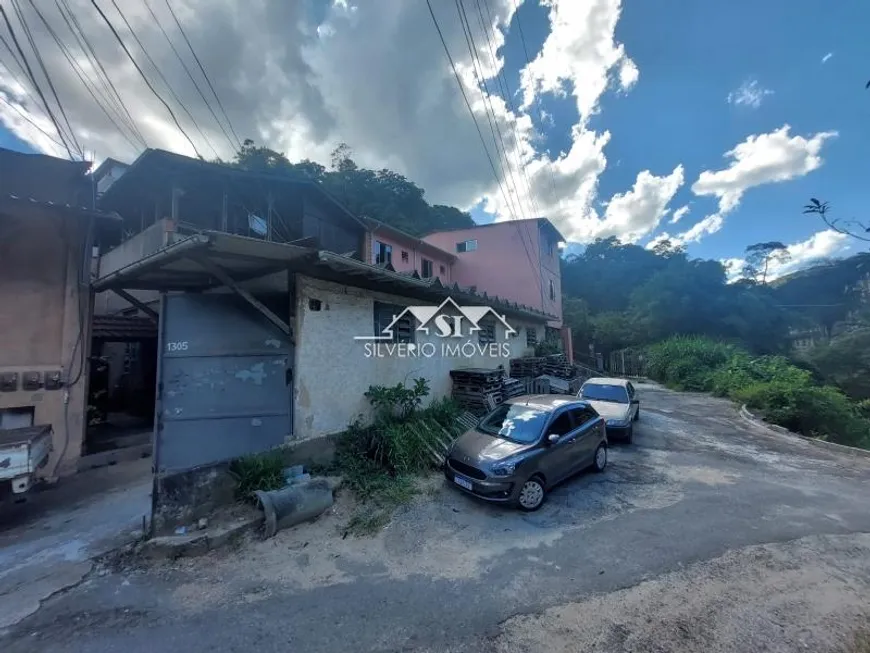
{"type": "Point", "coordinates": [782, 392]}
{"type": "Point", "coordinates": [258, 472]}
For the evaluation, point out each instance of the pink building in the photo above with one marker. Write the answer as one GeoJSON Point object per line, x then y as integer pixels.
{"type": "Point", "coordinates": [517, 260]}
{"type": "Point", "coordinates": [406, 253]}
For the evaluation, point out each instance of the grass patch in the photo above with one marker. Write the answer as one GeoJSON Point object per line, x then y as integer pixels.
{"type": "Point", "coordinates": [258, 472]}
{"type": "Point", "coordinates": [381, 463]}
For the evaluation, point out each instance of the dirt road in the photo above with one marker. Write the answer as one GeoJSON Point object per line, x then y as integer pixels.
{"type": "Point", "coordinates": [706, 534]}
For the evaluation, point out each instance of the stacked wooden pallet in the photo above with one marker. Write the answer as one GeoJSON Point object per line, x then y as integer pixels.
{"type": "Point", "coordinates": [528, 367]}
{"type": "Point", "coordinates": [511, 387]}
{"type": "Point", "coordinates": [557, 365]}
{"type": "Point", "coordinates": [476, 389]}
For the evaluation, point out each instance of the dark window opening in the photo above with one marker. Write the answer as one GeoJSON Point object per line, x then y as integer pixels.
{"type": "Point", "coordinates": [466, 246]}
{"type": "Point", "coordinates": [486, 335]}
{"type": "Point", "coordinates": [531, 337]}
{"type": "Point", "coordinates": [552, 290]}
{"type": "Point", "coordinates": [393, 324]}
{"type": "Point", "coordinates": [404, 256]}
{"type": "Point", "coordinates": [426, 268]}
{"type": "Point", "coordinates": [383, 253]}
{"type": "Point", "coordinates": [442, 269]}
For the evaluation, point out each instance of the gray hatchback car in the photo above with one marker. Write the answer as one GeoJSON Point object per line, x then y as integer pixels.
{"type": "Point", "coordinates": [525, 447]}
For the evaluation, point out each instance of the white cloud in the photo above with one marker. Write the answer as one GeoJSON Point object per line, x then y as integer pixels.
{"type": "Point", "coordinates": [762, 159]}
{"type": "Point", "coordinates": [636, 213]}
{"type": "Point", "coordinates": [821, 245]}
{"type": "Point", "coordinates": [679, 214]}
{"type": "Point", "coordinates": [304, 85]}
{"type": "Point", "coordinates": [709, 225]}
{"type": "Point", "coordinates": [749, 94]}
{"type": "Point", "coordinates": [827, 56]}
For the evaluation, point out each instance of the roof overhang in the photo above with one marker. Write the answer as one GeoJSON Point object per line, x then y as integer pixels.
{"type": "Point", "coordinates": [189, 264]}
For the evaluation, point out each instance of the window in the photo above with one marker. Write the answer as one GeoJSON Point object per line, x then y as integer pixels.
{"type": "Point", "coordinates": [383, 253]}
{"type": "Point", "coordinates": [486, 335]}
{"type": "Point", "coordinates": [466, 246]}
{"type": "Point", "coordinates": [551, 248]}
{"type": "Point", "coordinates": [385, 318]}
{"type": "Point", "coordinates": [562, 425]}
{"type": "Point", "coordinates": [404, 256]}
{"type": "Point", "coordinates": [552, 290]}
{"type": "Point", "coordinates": [583, 415]}
{"type": "Point", "coordinates": [442, 270]}
{"type": "Point", "coordinates": [426, 268]}
{"type": "Point", "coordinates": [515, 422]}
{"type": "Point", "coordinates": [600, 392]}
{"type": "Point", "coordinates": [531, 336]}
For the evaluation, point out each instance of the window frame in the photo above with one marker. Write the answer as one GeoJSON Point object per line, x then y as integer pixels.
{"type": "Point", "coordinates": [387, 250]}
{"type": "Point", "coordinates": [531, 337]}
{"type": "Point", "coordinates": [405, 257]}
{"type": "Point", "coordinates": [423, 263]}
{"type": "Point", "coordinates": [462, 247]}
{"type": "Point", "coordinates": [488, 333]}
{"type": "Point", "coordinates": [382, 314]}
{"type": "Point", "coordinates": [552, 290]}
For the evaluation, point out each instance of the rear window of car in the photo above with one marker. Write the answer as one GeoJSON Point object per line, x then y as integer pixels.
{"type": "Point", "coordinates": [515, 422]}
{"type": "Point", "coordinates": [602, 392]}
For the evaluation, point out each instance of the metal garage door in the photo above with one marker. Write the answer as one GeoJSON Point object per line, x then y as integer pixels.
{"type": "Point", "coordinates": [224, 382]}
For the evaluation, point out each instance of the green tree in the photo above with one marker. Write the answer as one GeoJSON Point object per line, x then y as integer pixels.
{"type": "Point", "coordinates": [760, 256]}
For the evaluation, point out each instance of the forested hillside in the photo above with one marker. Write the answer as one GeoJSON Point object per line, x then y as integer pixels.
{"type": "Point", "coordinates": [378, 194]}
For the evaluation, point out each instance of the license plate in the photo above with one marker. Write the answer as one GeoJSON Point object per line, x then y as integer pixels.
{"type": "Point", "coordinates": [461, 482]}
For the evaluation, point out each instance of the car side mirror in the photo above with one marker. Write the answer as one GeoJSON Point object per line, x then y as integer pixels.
{"type": "Point", "coordinates": [635, 401]}
{"type": "Point", "coordinates": [552, 438]}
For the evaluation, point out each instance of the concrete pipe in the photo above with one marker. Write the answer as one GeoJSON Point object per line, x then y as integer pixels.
{"type": "Point", "coordinates": [294, 504]}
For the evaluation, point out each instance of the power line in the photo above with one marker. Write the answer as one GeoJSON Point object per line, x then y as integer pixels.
{"type": "Point", "coordinates": [33, 81]}
{"type": "Point", "coordinates": [490, 113]}
{"type": "Point", "coordinates": [204, 74]}
{"type": "Point", "coordinates": [467, 103]}
{"type": "Point", "coordinates": [24, 26]}
{"type": "Point", "coordinates": [144, 77]}
{"type": "Point", "coordinates": [163, 78]}
{"type": "Point", "coordinates": [529, 63]}
{"type": "Point", "coordinates": [506, 95]}
{"type": "Point", "coordinates": [90, 53]}
{"type": "Point", "coordinates": [472, 48]}
{"type": "Point", "coordinates": [190, 75]}
{"type": "Point", "coordinates": [30, 120]}
{"type": "Point", "coordinates": [79, 72]}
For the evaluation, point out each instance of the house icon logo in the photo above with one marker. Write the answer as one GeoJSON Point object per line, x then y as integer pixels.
{"type": "Point", "coordinates": [447, 320]}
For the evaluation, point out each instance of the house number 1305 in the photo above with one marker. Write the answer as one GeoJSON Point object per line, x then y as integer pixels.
{"type": "Point", "coordinates": [179, 345]}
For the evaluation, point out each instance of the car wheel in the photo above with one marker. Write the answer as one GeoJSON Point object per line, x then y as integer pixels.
{"type": "Point", "coordinates": [637, 414]}
{"type": "Point", "coordinates": [532, 495]}
{"type": "Point", "coordinates": [600, 460]}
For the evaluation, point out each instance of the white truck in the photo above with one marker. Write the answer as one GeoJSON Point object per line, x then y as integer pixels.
{"type": "Point", "coordinates": [23, 452]}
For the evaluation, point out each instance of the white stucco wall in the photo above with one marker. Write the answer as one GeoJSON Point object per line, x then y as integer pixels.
{"type": "Point", "coordinates": [332, 370]}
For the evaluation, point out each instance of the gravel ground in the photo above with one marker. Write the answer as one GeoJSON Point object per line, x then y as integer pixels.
{"type": "Point", "coordinates": [706, 534]}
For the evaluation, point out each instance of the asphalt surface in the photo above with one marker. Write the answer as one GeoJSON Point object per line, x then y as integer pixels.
{"type": "Point", "coordinates": [449, 571]}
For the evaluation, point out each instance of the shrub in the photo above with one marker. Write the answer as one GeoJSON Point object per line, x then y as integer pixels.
{"type": "Point", "coordinates": [687, 362]}
{"type": "Point", "coordinates": [397, 402]}
{"type": "Point", "coordinates": [258, 472]}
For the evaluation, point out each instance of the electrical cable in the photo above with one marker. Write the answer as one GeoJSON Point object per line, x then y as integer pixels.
{"type": "Point", "coordinates": [90, 53]}
{"type": "Point", "coordinates": [163, 78]}
{"type": "Point", "coordinates": [233, 145]}
{"type": "Point", "coordinates": [33, 81]}
{"type": "Point", "coordinates": [204, 74]}
{"type": "Point", "coordinates": [144, 77]}
{"type": "Point", "coordinates": [36, 51]}
{"type": "Point", "coordinates": [30, 120]}
{"type": "Point", "coordinates": [467, 103]}
{"type": "Point", "coordinates": [80, 73]}
{"type": "Point", "coordinates": [487, 103]}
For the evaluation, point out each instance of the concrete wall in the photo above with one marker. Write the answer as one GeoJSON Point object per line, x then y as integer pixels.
{"type": "Point", "coordinates": [333, 371]}
{"type": "Point", "coordinates": [507, 263]}
{"type": "Point", "coordinates": [40, 324]}
{"type": "Point", "coordinates": [415, 253]}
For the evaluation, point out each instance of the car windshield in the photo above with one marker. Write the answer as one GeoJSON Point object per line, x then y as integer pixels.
{"type": "Point", "coordinates": [601, 392]}
{"type": "Point", "coordinates": [515, 422]}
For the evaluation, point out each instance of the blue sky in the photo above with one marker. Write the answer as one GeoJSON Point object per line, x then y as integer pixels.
{"type": "Point", "coordinates": [803, 62]}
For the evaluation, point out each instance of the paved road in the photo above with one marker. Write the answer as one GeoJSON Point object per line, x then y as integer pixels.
{"type": "Point", "coordinates": [449, 572]}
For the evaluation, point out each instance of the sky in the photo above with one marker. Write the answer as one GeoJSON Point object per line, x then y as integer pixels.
{"type": "Point", "coordinates": [707, 123]}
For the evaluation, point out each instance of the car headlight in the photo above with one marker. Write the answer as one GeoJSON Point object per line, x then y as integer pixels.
{"type": "Point", "coordinates": [504, 469]}
{"type": "Point", "coordinates": [616, 422]}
